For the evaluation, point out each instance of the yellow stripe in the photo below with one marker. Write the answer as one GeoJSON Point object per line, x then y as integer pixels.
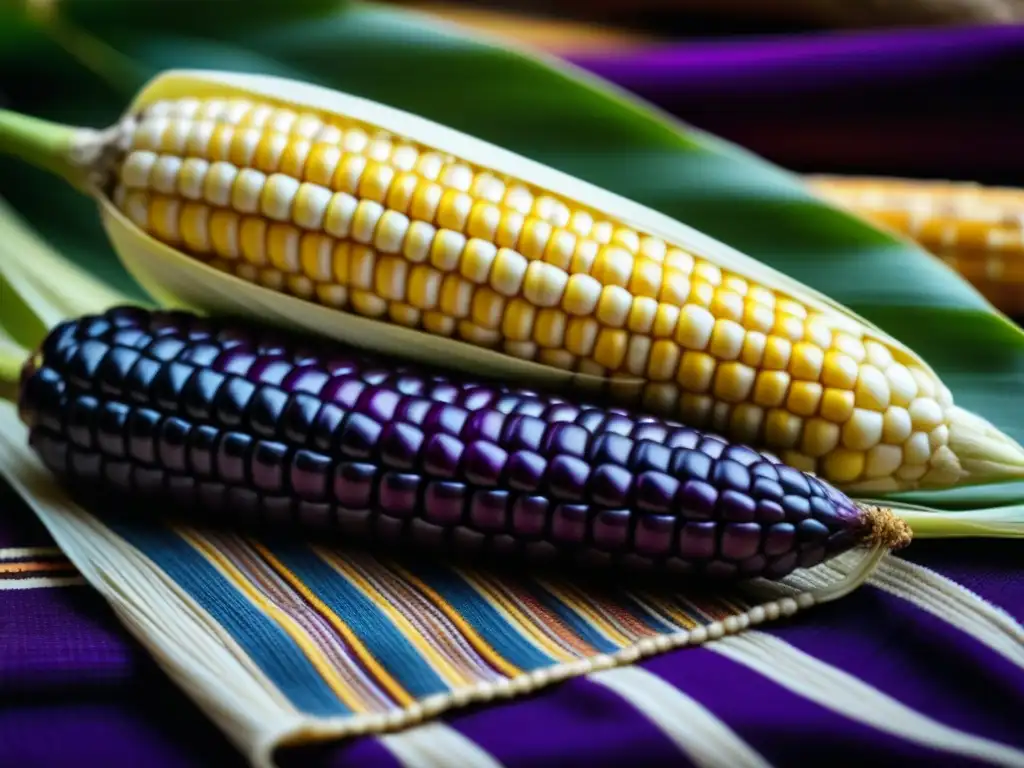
{"type": "Point", "coordinates": [517, 618]}
{"type": "Point", "coordinates": [579, 603]}
{"type": "Point", "coordinates": [480, 645]}
{"type": "Point", "coordinates": [441, 665]}
{"type": "Point", "coordinates": [291, 627]}
{"type": "Point", "coordinates": [399, 694]}
{"type": "Point", "coordinates": [676, 614]}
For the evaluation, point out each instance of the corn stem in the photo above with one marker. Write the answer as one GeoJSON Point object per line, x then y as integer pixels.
{"type": "Point", "coordinates": [42, 143]}
{"type": "Point", "coordinates": [12, 358]}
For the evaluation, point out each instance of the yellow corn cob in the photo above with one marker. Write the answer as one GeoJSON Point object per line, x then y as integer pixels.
{"type": "Point", "coordinates": [976, 230]}
{"type": "Point", "coordinates": [364, 211]}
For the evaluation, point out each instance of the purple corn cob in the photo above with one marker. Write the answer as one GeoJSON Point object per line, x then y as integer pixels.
{"type": "Point", "coordinates": [251, 425]}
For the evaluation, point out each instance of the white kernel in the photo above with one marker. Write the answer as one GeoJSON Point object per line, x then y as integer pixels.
{"type": "Point", "coordinates": [654, 249]}
{"type": "Point", "coordinates": [939, 437]}
{"type": "Point", "coordinates": [418, 239]}
{"type": "Point", "coordinates": [526, 350]}
{"type": "Point", "coordinates": [917, 449]}
{"type": "Point", "coordinates": [150, 133]}
{"type": "Point", "coordinates": [429, 165]}
{"type": "Point", "coordinates": [637, 352]}
{"type": "Point", "coordinates": [602, 232]}
{"type": "Point", "coordinates": [872, 389]}
{"type": "Point", "coordinates": [882, 460]}
{"type": "Point", "coordinates": [176, 136]}
{"type": "Point", "coordinates": [199, 138]}
{"type": "Point", "coordinates": [379, 149]}
{"type": "Point", "coordinates": [164, 177]}
{"type": "Point", "coordinates": [244, 145]}
{"type": "Point", "coordinates": [281, 121]}
{"type": "Point", "coordinates": [544, 284]}
{"type": "Point", "coordinates": [247, 190]}
{"type": "Point", "coordinates": [581, 223]}
{"type": "Point", "coordinates": [902, 386]}
{"type": "Point", "coordinates": [447, 250]}
{"type": "Point", "coordinates": [487, 187]}
{"type": "Point", "coordinates": [519, 199]}
{"type": "Point", "coordinates": [137, 168]}
{"type": "Point", "coordinates": [695, 326]}
{"type": "Point", "coordinates": [552, 211]}
{"type": "Point", "coordinates": [477, 260]}
{"type": "Point", "coordinates": [912, 472]}
{"type": "Point", "coordinates": [350, 170]}
{"type": "Point", "coordinates": [310, 207]}
{"type": "Point", "coordinates": [925, 382]}
{"type": "Point", "coordinates": [364, 223]}
{"type": "Point", "coordinates": [328, 134]}
{"type": "Point", "coordinates": [878, 355]}
{"type": "Point", "coordinates": [162, 108]}
{"type": "Point", "coordinates": [307, 126]}
{"type": "Point", "coordinates": [236, 110]}
{"type": "Point", "coordinates": [391, 232]}
{"type": "Point", "coordinates": [896, 425]}
{"type": "Point", "coordinates": [863, 430]}
{"type": "Point", "coordinates": [340, 211]}
{"type": "Point", "coordinates": [404, 157]}
{"type": "Point", "coordinates": [277, 197]}
{"type": "Point", "coordinates": [458, 177]}
{"type": "Point", "coordinates": [191, 178]}
{"type": "Point", "coordinates": [220, 180]}
{"type": "Point", "coordinates": [136, 208]}
{"type": "Point", "coordinates": [925, 414]}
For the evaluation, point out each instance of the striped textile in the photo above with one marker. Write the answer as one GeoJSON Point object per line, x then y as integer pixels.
{"type": "Point", "coordinates": [350, 639]}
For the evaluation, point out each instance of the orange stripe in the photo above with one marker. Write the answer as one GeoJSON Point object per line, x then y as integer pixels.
{"type": "Point", "coordinates": [32, 567]}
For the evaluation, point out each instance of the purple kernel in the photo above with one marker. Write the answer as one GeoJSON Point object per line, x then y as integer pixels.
{"type": "Point", "coordinates": [358, 436]}
{"type": "Point", "coordinates": [650, 456]}
{"type": "Point", "coordinates": [764, 488]}
{"type": "Point", "coordinates": [309, 473]}
{"type": "Point", "coordinates": [736, 506]}
{"type": "Point", "coordinates": [477, 398]}
{"type": "Point", "coordinates": [567, 477]}
{"type": "Point", "coordinates": [400, 445]}
{"type": "Point", "coordinates": [655, 492]}
{"type": "Point", "coordinates": [212, 496]}
{"type": "Point", "coordinates": [566, 439]}
{"type": "Point", "coordinates": [766, 470]}
{"type": "Point", "coordinates": [712, 446]}
{"type": "Point", "coordinates": [611, 449]}
{"type": "Point", "coordinates": [201, 443]}
{"type": "Point", "coordinates": [343, 391]}
{"type": "Point", "coordinates": [523, 433]}
{"type": "Point", "coordinates": [797, 507]}
{"type": "Point", "coordinates": [697, 541]}
{"type": "Point", "coordinates": [181, 490]}
{"type": "Point", "coordinates": [483, 425]}
{"type": "Point", "coordinates": [610, 485]}
{"type": "Point", "coordinates": [697, 499]}
{"type": "Point", "coordinates": [445, 418]}
{"type": "Point", "coordinates": [610, 530]}
{"type": "Point", "coordinates": [379, 404]}
{"type": "Point", "coordinates": [307, 380]}
{"type": "Point", "coordinates": [691, 465]}
{"type": "Point", "coordinates": [413, 410]}
{"type": "Point", "coordinates": [232, 401]}
{"type": "Point", "coordinates": [654, 534]}
{"type": "Point", "coordinates": [769, 512]}
{"type": "Point", "coordinates": [482, 463]}
{"type": "Point", "coordinates": [732, 475]}
{"type": "Point", "coordinates": [427, 536]}
{"type": "Point", "coordinates": [812, 531]}
{"type": "Point", "coordinates": [824, 511]}
{"type": "Point", "coordinates": [441, 455]}
{"type": "Point", "coordinates": [354, 522]}
{"type": "Point", "coordinates": [719, 569]}
{"type": "Point", "coordinates": [112, 421]}
{"type": "Point", "coordinates": [781, 566]}
{"type": "Point", "coordinates": [466, 540]}
{"type": "Point", "coordinates": [268, 466]}
{"type": "Point", "coordinates": [743, 455]}
{"type": "Point", "coordinates": [443, 502]}
{"type": "Point", "coordinates": [353, 484]}
{"type": "Point", "coordinates": [86, 465]}
{"type": "Point", "coordinates": [741, 540]}
{"type": "Point", "coordinates": [753, 566]}
{"type": "Point", "coordinates": [569, 523]}
{"type": "Point", "coordinates": [651, 431]}
{"type": "Point", "coordinates": [529, 515]}
{"type": "Point", "coordinates": [232, 457]}
{"type": "Point", "coordinates": [780, 539]}
{"type": "Point", "coordinates": [488, 510]}
{"type": "Point", "coordinates": [619, 425]}
{"type": "Point", "coordinates": [540, 551]}
{"type": "Point", "coordinates": [590, 419]}
{"type": "Point", "coordinates": [242, 505]}
{"type": "Point", "coordinates": [143, 425]}
{"type": "Point", "coordinates": [504, 545]}
{"type": "Point", "coordinates": [398, 494]}
{"type": "Point", "coordinates": [682, 438]}
{"type": "Point", "coordinates": [271, 372]}
{"type": "Point", "coordinates": [325, 426]}
{"type": "Point", "coordinates": [266, 410]}
{"type": "Point", "coordinates": [525, 471]}
{"type": "Point", "coordinates": [794, 481]}
{"type": "Point", "coordinates": [560, 412]}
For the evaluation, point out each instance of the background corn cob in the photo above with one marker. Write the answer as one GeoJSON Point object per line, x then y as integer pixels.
{"type": "Point", "coordinates": [262, 427]}
{"type": "Point", "coordinates": [976, 230]}
{"type": "Point", "coordinates": [327, 209]}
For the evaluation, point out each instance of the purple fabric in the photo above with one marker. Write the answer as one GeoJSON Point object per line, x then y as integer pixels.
{"type": "Point", "coordinates": [912, 102]}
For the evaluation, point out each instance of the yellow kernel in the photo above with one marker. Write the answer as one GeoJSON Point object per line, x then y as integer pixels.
{"type": "Point", "coordinates": [509, 229]}
{"type": "Point", "coordinates": [696, 371]}
{"type": "Point", "coordinates": [375, 182]}
{"type": "Point", "coordinates": [735, 284]}
{"type": "Point", "coordinates": [419, 238]}
{"type": "Point", "coordinates": [782, 429]}
{"type": "Point", "coordinates": [602, 232]}
{"type": "Point", "coordinates": [776, 353]}
{"type": "Point", "coordinates": [425, 201]}
{"type": "Point", "coordinates": [549, 329]}
{"type": "Point", "coordinates": [582, 293]}
{"type": "Point", "coordinates": [694, 409]}
{"type": "Point", "coordinates": [726, 340]}
{"type": "Point", "coordinates": [195, 227]}
{"type": "Point", "coordinates": [695, 327]}
{"type": "Point", "coordinates": [925, 414]}
{"type": "Point", "coordinates": [224, 233]}
{"type": "Point", "coordinates": [367, 304]}
{"type": "Point", "coordinates": [863, 430]}
{"type": "Point", "coordinates": [817, 332]}
{"type": "Point", "coordinates": [610, 348]}
{"type": "Point", "coordinates": [820, 437]}
{"type": "Point", "coordinates": [453, 212]}
{"type": "Point", "coordinates": [664, 360]}
{"type": "Point", "coordinates": [526, 350]}
{"type": "Point", "coordinates": [402, 189]}
{"type": "Point", "coordinates": [659, 397]}
{"type": "Point", "coordinates": [745, 422]}
{"type": "Point", "coordinates": [581, 335]}
{"type": "Point", "coordinates": [806, 362]}
{"type": "Point", "coordinates": [788, 327]}
{"type": "Point", "coordinates": [839, 370]}
{"type": "Point", "coordinates": [837, 404]}
{"type": "Point", "coordinates": [762, 296]}
{"type": "Point", "coordinates": [348, 173]}
{"type": "Point", "coordinates": [753, 348]}
{"type": "Point", "coordinates": [770, 388]}
{"type": "Point", "coordinates": [403, 314]}
{"type": "Point", "coordinates": [581, 223]}
{"type": "Point", "coordinates": [758, 317]}
{"type": "Point", "coordinates": [847, 344]}
{"type": "Point", "coordinates": [508, 272]}
{"type": "Point", "coordinates": [583, 257]}
{"type": "Point", "coordinates": [872, 389]}
{"type": "Point", "coordinates": [560, 249]}
{"type": "Point", "coordinates": [341, 261]}
{"type": "Point", "coordinates": [321, 165]}
{"type": "Point", "coordinates": [429, 165]}
{"type": "Point", "coordinates": [456, 296]}
{"type": "Point", "coordinates": [534, 238]}
{"type": "Point", "coordinates": [728, 305]}
{"type": "Point", "coordinates": [544, 284]}
{"type": "Point", "coordinates": [791, 307]}
{"type": "Point", "coordinates": [679, 260]}
{"type": "Point", "coordinates": [488, 308]}
{"type": "Point", "coordinates": [917, 449]}
{"type": "Point", "coordinates": [517, 325]}
{"type": "Point", "coordinates": [613, 306]}
{"type": "Point", "coordinates": [674, 289]}
{"type": "Point", "coordinates": [641, 315]}
{"type": "Point", "coordinates": [252, 237]}
{"type": "Point", "coordinates": [558, 358]}
{"type": "Point", "coordinates": [332, 295]}
{"type": "Point", "coordinates": [391, 278]}
{"type": "Point", "coordinates": [733, 382]}
{"type": "Point", "coordinates": [439, 323]}
{"type": "Point", "coordinates": [340, 212]}
{"type": "Point", "coordinates": [272, 279]}
{"type": "Point", "coordinates": [843, 465]}
{"type": "Point", "coordinates": [518, 198]}
{"type": "Point", "coordinates": [424, 287]}
{"type": "Point", "coordinates": [666, 318]}
{"type": "Point", "coordinates": [483, 221]}
{"type": "Point", "coordinates": [221, 141]}
{"type": "Point", "coordinates": [364, 222]}
{"type": "Point", "coordinates": [613, 266]}
{"type": "Point", "coordinates": [283, 247]}
{"type": "Point", "coordinates": [882, 460]}
{"type": "Point", "coordinates": [902, 386]}
{"type": "Point", "coordinates": [896, 425]}
{"type": "Point", "coordinates": [627, 238]}
{"type": "Point", "coordinates": [654, 249]}
{"type": "Point", "coordinates": [362, 264]}
{"type": "Point", "coordinates": [390, 233]}
{"type": "Point", "coordinates": [246, 147]}
{"type": "Point", "coordinates": [708, 272]}
{"type": "Point", "coordinates": [293, 161]}
{"type": "Point", "coordinates": [646, 279]}
{"type": "Point", "coordinates": [637, 354]}
{"type": "Point", "coordinates": [804, 397]}
{"type": "Point", "coordinates": [446, 250]}
{"type": "Point", "coordinates": [458, 177]}
{"type": "Point", "coordinates": [315, 257]}
{"type": "Point", "coordinates": [800, 461]}
{"type": "Point", "coordinates": [310, 206]}
{"type": "Point", "coordinates": [477, 260]}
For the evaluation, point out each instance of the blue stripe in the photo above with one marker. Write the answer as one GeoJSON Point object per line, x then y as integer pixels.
{"type": "Point", "coordinates": [483, 617]}
{"type": "Point", "coordinates": [578, 624]}
{"type": "Point", "coordinates": [262, 639]}
{"type": "Point", "coordinates": [641, 614]}
{"type": "Point", "coordinates": [369, 623]}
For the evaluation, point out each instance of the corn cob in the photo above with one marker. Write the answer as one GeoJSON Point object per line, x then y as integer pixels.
{"type": "Point", "coordinates": [976, 230]}
{"type": "Point", "coordinates": [348, 218]}
{"type": "Point", "coordinates": [248, 425]}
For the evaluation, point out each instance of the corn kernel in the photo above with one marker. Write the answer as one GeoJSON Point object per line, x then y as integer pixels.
{"type": "Point", "coordinates": [341, 210]}
{"type": "Point", "coordinates": [518, 198]}
{"type": "Point", "coordinates": [191, 178]}
{"type": "Point", "coordinates": [776, 353]}
{"type": "Point", "coordinates": [391, 278]}
{"type": "Point", "coordinates": [925, 414]}
{"type": "Point", "coordinates": [849, 345]}
{"type": "Point", "coordinates": [653, 248]}
{"type": "Point", "coordinates": [341, 260]}
{"type": "Point", "coordinates": [614, 266]}
{"type": "Point", "coordinates": [637, 354]}
{"type": "Point", "coordinates": [283, 248]}
{"type": "Point", "coordinates": [488, 308]}
{"type": "Point", "coordinates": [728, 305]}
{"type": "Point", "coordinates": [483, 221]}
{"type": "Point", "coordinates": [533, 240]}
{"type": "Point", "coordinates": [707, 272]}
{"type": "Point", "coordinates": [321, 165]}
{"type": "Point", "coordinates": [745, 422]}
{"type": "Point", "coordinates": [839, 370]}
{"type": "Point", "coordinates": [368, 304]}
{"type": "Point", "coordinates": [581, 223]}
{"type": "Point", "coordinates": [453, 212]}
{"type": "Point", "coordinates": [753, 348]}
{"type": "Point", "coordinates": [925, 383]}
{"type": "Point", "coordinates": [837, 404]}
{"type": "Point", "coordinates": [517, 325]}
{"type": "Point", "coordinates": [525, 350]}
{"type": "Point", "coordinates": [419, 238]}
{"type": "Point", "coordinates": [664, 360]}
{"type": "Point", "coordinates": [429, 165]}
{"type": "Point", "coordinates": [487, 187]}
{"type": "Point", "coordinates": [726, 340]}
{"type": "Point", "coordinates": [477, 261]}
{"type": "Point", "coordinates": [799, 461]}
{"type": "Point", "coordinates": [788, 327]}
{"type": "Point", "coordinates": [332, 295]}
{"type": "Point", "coordinates": [782, 428]}
{"type": "Point", "coordinates": [896, 425]}
{"type": "Point", "coordinates": [696, 371]}
{"type": "Point", "coordinates": [910, 472]}
{"type": "Point", "coordinates": [315, 257]}
{"type": "Point", "coordinates": [348, 174]}
{"type": "Point", "coordinates": [666, 318]}
{"type": "Point", "coordinates": [610, 348]}
{"type": "Point", "coordinates": [424, 287]}
{"type": "Point", "coordinates": [806, 362]}
{"type": "Point", "coordinates": [583, 257]}
{"type": "Point", "coordinates": [401, 191]}
{"type": "Point", "coordinates": [758, 317]}
{"type": "Point", "coordinates": [804, 397]}
{"type": "Point", "coordinates": [293, 161]}
{"type": "Point", "coordinates": [695, 327]}
{"type": "Point", "coordinates": [376, 181]}
{"type": "Point", "coordinates": [247, 147]}
{"type": "Point", "coordinates": [733, 382]}
{"type": "Point", "coordinates": [660, 397]}
{"type": "Point", "coordinates": [695, 409]}
{"type": "Point", "coordinates": [458, 177]}
{"type": "Point", "coordinates": [679, 260]}
{"type": "Point", "coordinates": [863, 430]}
{"type": "Point", "coordinates": [509, 229]}
{"type": "Point", "coordinates": [362, 263]}
{"type": "Point", "coordinates": [558, 358]}
{"type": "Point", "coordinates": [403, 314]}
{"type": "Point", "coordinates": [224, 233]}
{"type": "Point", "coordinates": [646, 279]}
{"type": "Point", "coordinates": [882, 460]}
{"type": "Point", "coordinates": [613, 306]}
{"type": "Point", "coordinates": [456, 296]}
{"type": "Point", "coordinates": [818, 333]}
{"type": "Point", "coordinates": [770, 388]}
{"type": "Point", "coordinates": [917, 449]}
{"type": "Point", "coordinates": [582, 293]}
{"type": "Point", "coordinates": [560, 249]}
{"type": "Point", "coordinates": [544, 284]}
{"type": "Point", "coordinates": [446, 250]}
{"type": "Point", "coordinates": [735, 284]}
{"type": "Point", "coordinates": [627, 238]}
{"type": "Point", "coordinates": [252, 236]}
{"type": "Point", "coordinates": [195, 227]}
{"type": "Point", "coordinates": [425, 201]}
{"type": "Point", "coordinates": [872, 389]}
{"type": "Point", "coordinates": [675, 288]}
{"type": "Point", "coordinates": [310, 206]}
{"type": "Point", "coordinates": [549, 328]}
{"type": "Point", "coordinates": [820, 437]}
{"type": "Point", "coordinates": [843, 465]}
{"type": "Point", "coordinates": [602, 232]}
{"type": "Point", "coordinates": [641, 315]}
{"type": "Point", "coordinates": [938, 437]}
{"type": "Point", "coordinates": [902, 386]}
{"type": "Point", "coordinates": [277, 196]}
